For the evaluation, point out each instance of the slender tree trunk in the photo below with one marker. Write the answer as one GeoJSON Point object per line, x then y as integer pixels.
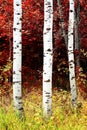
{"type": "Point", "coordinates": [17, 56]}
{"type": "Point", "coordinates": [77, 35]}
{"type": "Point", "coordinates": [71, 54]}
{"type": "Point", "coordinates": [47, 58]}
{"type": "Point", "coordinates": [62, 22]}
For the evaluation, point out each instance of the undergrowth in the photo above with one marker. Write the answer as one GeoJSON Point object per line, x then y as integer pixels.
{"type": "Point", "coordinates": [63, 117]}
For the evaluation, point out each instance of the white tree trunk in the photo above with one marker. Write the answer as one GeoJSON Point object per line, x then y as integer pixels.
{"type": "Point", "coordinates": [71, 54]}
{"type": "Point", "coordinates": [17, 56]}
{"type": "Point", "coordinates": [47, 58]}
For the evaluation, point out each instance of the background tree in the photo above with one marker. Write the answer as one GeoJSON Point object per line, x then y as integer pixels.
{"type": "Point", "coordinates": [77, 34]}
{"type": "Point", "coordinates": [62, 22]}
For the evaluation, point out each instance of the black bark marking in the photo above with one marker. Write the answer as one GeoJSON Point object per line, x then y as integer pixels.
{"type": "Point", "coordinates": [16, 81]}
{"type": "Point", "coordinates": [73, 100]}
{"type": "Point", "coordinates": [14, 29]}
{"type": "Point", "coordinates": [71, 67]}
{"type": "Point", "coordinates": [48, 29]}
{"type": "Point", "coordinates": [17, 46]}
{"type": "Point", "coordinates": [48, 96]}
{"type": "Point", "coordinates": [71, 61]}
{"type": "Point", "coordinates": [18, 97]}
{"type": "Point", "coordinates": [20, 102]}
{"type": "Point", "coordinates": [18, 23]}
{"type": "Point", "coordinates": [49, 6]}
{"type": "Point", "coordinates": [20, 109]}
{"type": "Point", "coordinates": [72, 78]}
{"type": "Point", "coordinates": [49, 50]}
{"type": "Point", "coordinates": [71, 11]}
{"type": "Point", "coordinates": [47, 80]}
{"type": "Point", "coordinates": [18, 13]}
{"type": "Point", "coordinates": [17, 4]}
{"type": "Point", "coordinates": [47, 93]}
{"type": "Point", "coordinates": [48, 111]}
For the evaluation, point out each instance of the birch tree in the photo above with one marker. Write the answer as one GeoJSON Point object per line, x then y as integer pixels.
{"type": "Point", "coordinates": [17, 56]}
{"type": "Point", "coordinates": [71, 53]}
{"type": "Point", "coordinates": [47, 58]}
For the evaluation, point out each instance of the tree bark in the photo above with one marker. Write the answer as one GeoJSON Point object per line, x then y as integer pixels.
{"type": "Point", "coordinates": [71, 54]}
{"type": "Point", "coordinates": [17, 56]}
{"type": "Point", "coordinates": [63, 32]}
{"type": "Point", "coordinates": [47, 58]}
{"type": "Point", "coordinates": [77, 35]}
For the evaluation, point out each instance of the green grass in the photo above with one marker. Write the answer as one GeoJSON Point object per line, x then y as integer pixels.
{"type": "Point", "coordinates": [63, 118]}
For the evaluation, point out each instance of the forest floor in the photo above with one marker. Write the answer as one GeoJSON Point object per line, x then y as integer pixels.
{"type": "Point", "coordinates": [63, 117]}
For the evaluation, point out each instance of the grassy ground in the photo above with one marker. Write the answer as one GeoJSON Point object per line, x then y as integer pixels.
{"type": "Point", "coordinates": [63, 118]}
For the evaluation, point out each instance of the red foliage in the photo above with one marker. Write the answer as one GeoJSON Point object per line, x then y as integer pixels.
{"type": "Point", "coordinates": [33, 15]}
{"type": "Point", "coordinates": [81, 81]}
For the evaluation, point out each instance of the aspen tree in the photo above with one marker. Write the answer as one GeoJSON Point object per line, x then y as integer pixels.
{"type": "Point", "coordinates": [47, 58]}
{"type": "Point", "coordinates": [17, 56]}
{"type": "Point", "coordinates": [71, 54]}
